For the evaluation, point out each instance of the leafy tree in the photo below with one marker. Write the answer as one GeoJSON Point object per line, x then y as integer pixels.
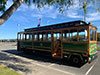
{"type": "Point", "coordinates": [60, 4]}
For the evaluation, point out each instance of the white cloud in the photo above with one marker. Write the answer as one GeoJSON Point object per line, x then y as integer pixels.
{"type": "Point", "coordinates": [74, 11]}
{"type": "Point", "coordinates": [23, 8]}
{"type": "Point", "coordinates": [37, 15]}
{"type": "Point", "coordinates": [93, 16]}
{"type": "Point", "coordinates": [73, 14]}
{"type": "Point", "coordinates": [51, 12]}
{"type": "Point", "coordinates": [75, 5]}
{"type": "Point", "coordinates": [47, 11]}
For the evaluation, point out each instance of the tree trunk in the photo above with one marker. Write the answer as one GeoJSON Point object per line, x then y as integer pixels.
{"type": "Point", "coordinates": [6, 15]}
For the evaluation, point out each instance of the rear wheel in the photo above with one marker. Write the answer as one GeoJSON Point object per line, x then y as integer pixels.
{"type": "Point", "coordinates": [76, 60]}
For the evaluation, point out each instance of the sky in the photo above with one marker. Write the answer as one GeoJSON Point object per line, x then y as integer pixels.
{"type": "Point", "coordinates": [28, 17]}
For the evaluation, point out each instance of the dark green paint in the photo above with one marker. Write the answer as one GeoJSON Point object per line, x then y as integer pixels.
{"type": "Point", "coordinates": [77, 46]}
{"type": "Point", "coordinates": [35, 44]}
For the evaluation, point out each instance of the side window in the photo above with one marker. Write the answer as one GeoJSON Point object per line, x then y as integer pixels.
{"type": "Point", "coordinates": [70, 36]}
{"type": "Point", "coordinates": [40, 37]}
{"type": "Point", "coordinates": [30, 36]}
{"type": "Point", "coordinates": [64, 36]}
{"type": "Point", "coordinates": [49, 37]}
{"type": "Point", "coordinates": [83, 35]}
{"type": "Point", "coordinates": [23, 36]}
{"type": "Point", "coordinates": [57, 36]}
{"type": "Point", "coordinates": [18, 36]}
{"type": "Point", "coordinates": [44, 37]}
{"type": "Point", "coordinates": [27, 36]}
{"type": "Point", "coordinates": [74, 36]}
{"type": "Point", "coordinates": [35, 37]}
{"type": "Point", "coordinates": [91, 34]}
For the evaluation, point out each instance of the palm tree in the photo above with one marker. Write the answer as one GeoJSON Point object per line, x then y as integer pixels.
{"type": "Point", "coordinates": [5, 16]}
{"type": "Point", "coordinates": [85, 9]}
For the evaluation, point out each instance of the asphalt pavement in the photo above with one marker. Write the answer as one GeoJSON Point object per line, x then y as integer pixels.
{"type": "Point", "coordinates": [35, 64]}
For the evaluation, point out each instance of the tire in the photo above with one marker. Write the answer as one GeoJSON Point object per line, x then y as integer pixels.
{"type": "Point", "coordinates": [76, 60]}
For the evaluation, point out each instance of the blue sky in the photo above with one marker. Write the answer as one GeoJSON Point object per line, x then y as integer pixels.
{"type": "Point", "coordinates": [27, 17]}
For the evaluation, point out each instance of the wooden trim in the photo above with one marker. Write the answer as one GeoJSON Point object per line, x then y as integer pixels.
{"type": "Point", "coordinates": [93, 42]}
{"type": "Point", "coordinates": [88, 36]}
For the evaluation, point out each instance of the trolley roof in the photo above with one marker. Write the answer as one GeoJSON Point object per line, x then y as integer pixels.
{"type": "Point", "coordinates": [58, 26]}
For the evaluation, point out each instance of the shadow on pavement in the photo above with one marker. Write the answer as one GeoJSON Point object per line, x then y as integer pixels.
{"type": "Point", "coordinates": [10, 60]}
{"type": "Point", "coordinates": [41, 57]}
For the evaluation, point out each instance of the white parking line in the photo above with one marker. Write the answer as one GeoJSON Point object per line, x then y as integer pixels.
{"type": "Point", "coordinates": [90, 69]}
{"type": "Point", "coordinates": [49, 67]}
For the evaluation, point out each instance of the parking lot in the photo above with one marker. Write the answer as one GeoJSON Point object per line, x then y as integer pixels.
{"type": "Point", "coordinates": [38, 64]}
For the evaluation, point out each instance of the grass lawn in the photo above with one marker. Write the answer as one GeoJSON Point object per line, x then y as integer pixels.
{"type": "Point", "coordinates": [6, 71]}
